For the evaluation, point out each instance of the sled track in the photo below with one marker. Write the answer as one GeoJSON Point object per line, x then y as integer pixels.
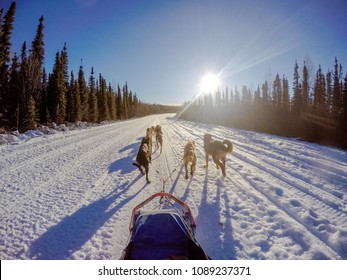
{"type": "Point", "coordinates": [40, 150]}
{"type": "Point", "coordinates": [277, 157]}
{"type": "Point", "coordinates": [49, 186]}
{"type": "Point", "coordinates": [307, 204]}
{"type": "Point", "coordinates": [280, 199]}
{"type": "Point", "coordinates": [289, 182]}
{"type": "Point", "coordinates": [252, 186]}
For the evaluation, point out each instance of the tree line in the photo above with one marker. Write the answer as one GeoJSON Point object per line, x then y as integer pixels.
{"type": "Point", "coordinates": [29, 96]}
{"type": "Point", "coordinates": [315, 111]}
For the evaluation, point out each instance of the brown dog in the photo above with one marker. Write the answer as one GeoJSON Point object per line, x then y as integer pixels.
{"type": "Point", "coordinates": [159, 141]}
{"type": "Point", "coordinates": [218, 150]}
{"type": "Point", "coordinates": [189, 156]}
{"type": "Point", "coordinates": [143, 157]}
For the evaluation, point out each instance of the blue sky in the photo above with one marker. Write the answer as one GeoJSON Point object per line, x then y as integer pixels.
{"type": "Point", "coordinates": [163, 48]}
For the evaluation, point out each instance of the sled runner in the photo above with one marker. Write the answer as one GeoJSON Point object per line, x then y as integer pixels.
{"type": "Point", "coordinates": [167, 232]}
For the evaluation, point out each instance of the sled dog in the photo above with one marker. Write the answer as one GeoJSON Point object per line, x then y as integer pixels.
{"type": "Point", "coordinates": [143, 157]}
{"type": "Point", "coordinates": [189, 156]}
{"type": "Point", "coordinates": [159, 141]}
{"type": "Point", "coordinates": [218, 150]}
{"type": "Point", "coordinates": [149, 136]}
{"type": "Point", "coordinates": [157, 129]}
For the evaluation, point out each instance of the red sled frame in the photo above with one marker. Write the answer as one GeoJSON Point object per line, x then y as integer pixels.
{"type": "Point", "coordinates": [168, 199]}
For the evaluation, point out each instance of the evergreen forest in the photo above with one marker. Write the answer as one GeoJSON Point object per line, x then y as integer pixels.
{"type": "Point", "coordinates": [312, 108]}
{"type": "Point", "coordinates": [316, 110]}
{"type": "Point", "coordinates": [29, 96]}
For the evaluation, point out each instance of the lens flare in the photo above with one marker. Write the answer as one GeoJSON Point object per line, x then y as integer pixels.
{"type": "Point", "coordinates": [209, 83]}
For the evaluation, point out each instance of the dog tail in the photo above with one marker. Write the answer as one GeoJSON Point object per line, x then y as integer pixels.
{"type": "Point", "coordinates": [136, 164]}
{"type": "Point", "coordinates": [229, 146]}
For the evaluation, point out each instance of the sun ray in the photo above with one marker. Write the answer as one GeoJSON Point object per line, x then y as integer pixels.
{"type": "Point", "coordinates": [209, 83]}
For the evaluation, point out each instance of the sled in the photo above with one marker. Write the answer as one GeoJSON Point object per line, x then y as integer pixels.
{"type": "Point", "coordinates": [165, 232]}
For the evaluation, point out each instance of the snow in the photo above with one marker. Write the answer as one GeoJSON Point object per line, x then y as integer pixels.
{"type": "Point", "coordinates": [68, 193]}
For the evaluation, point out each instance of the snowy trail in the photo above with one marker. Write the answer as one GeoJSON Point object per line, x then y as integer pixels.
{"type": "Point", "coordinates": [272, 186]}
{"type": "Point", "coordinates": [70, 195]}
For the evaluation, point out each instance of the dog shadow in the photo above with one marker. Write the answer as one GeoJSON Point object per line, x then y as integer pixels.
{"type": "Point", "coordinates": [174, 184]}
{"type": "Point", "coordinates": [186, 192]}
{"type": "Point", "coordinates": [209, 218]}
{"type": "Point", "coordinates": [124, 164]}
{"type": "Point", "coordinates": [133, 147]}
{"type": "Point", "coordinates": [72, 232]}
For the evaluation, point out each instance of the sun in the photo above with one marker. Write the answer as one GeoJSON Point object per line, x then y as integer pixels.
{"type": "Point", "coordinates": [209, 83]}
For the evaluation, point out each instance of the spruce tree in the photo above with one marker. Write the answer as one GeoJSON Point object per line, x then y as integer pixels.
{"type": "Point", "coordinates": [12, 97]}
{"type": "Point", "coordinates": [23, 88]}
{"type": "Point", "coordinates": [93, 99]}
{"type": "Point", "coordinates": [297, 93]}
{"type": "Point", "coordinates": [336, 106]}
{"type": "Point", "coordinates": [125, 100]}
{"type": "Point", "coordinates": [44, 112]}
{"type": "Point", "coordinates": [31, 116]}
{"type": "Point", "coordinates": [2, 92]}
{"type": "Point", "coordinates": [265, 93]}
{"type": "Point", "coordinates": [130, 99]}
{"type": "Point", "coordinates": [305, 86]}
{"type": "Point", "coordinates": [5, 45]}
{"type": "Point", "coordinates": [319, 94]}
{"type": "Point", "coordinates": [119, 103]}
{"type": "Point", "coordinates": [35, 67]}
{"type": "Point", "coordinates": [135, 105]}
{"type": "Point", "coordinates": [65, 65]}
{"type": "Point", "coordinates": [84, 95]}
{"type": "Point", "coordinates": [57, 91]}
{"type": "Point", "coordinates": [102, 100]}
{"type": "Point", "coordinates": [329, 101]}
{"type": "Point", "coordinates": [286, 99]}
{"type": "Point", "coordinates": [37, 45]}
{"type": "Point", "coordinates": [52, 90]}
{"type": "Point", "coordinates": [343, 124]}
{"type": "Point", "coordinates": [1, 23]}
{"type": "Point", "coordinates": [69, 98]}
{"type": "Point", "coordinates": [257, 97]}
{"type": "Point", "coordinates": [73, 102]}
{"type": "Point", "coordinates": [61, 91]}
{"type": "Point", "coordinates": [277, 93]}
{"type": "Point", "coordinates": [111, 102]}
{"type": "Point", "coordinates": [76, 108]}
{"type": "Point", "coordinates": [5, 42]}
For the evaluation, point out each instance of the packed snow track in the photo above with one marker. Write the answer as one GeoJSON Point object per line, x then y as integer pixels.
{"type": "Point", "coordinates": [69, 195]}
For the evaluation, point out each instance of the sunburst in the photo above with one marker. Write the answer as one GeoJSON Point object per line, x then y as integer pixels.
{"type": "Point", "coordinates": [209, 83]}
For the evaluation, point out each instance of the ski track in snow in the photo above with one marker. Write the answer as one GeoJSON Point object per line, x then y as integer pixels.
{"type": "Point", "coordinates": [70, 195]}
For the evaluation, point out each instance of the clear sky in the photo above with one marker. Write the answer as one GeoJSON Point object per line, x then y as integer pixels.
{"type": "Point", "coordinates": [163, 48]}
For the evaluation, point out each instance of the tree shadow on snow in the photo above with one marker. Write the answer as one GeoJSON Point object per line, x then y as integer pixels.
{"type": "Point", "coordinates": [214, 225]}
{"type": "Point", "coordinates": [70, 234]}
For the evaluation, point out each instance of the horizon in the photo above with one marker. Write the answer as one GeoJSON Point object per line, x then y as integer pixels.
{"type": "Point", "coordinates": [162, 49]}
